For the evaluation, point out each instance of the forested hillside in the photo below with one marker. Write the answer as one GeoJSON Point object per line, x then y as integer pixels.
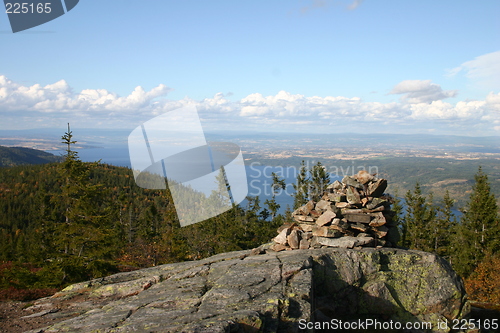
{"type": "Point", "coordinates": [12, 156]}
{"type": "Point", "coordinates": [71, 221]}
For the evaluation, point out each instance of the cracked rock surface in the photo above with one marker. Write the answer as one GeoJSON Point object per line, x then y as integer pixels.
{"type": "Point", "coordinates": [270, 292]}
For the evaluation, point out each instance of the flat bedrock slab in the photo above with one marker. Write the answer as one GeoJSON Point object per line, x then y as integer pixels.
{"type": "Point", "coordinates": [271, 292]}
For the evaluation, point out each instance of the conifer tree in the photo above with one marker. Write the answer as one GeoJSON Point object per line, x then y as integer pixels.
{"type": "Point", "coordinates": [397, 219]}
{"type": "Point", "coordinates": [82, 240]}
{"type": "Point", "coordinates": [276, 185]}
{"type": "Point", "coordinates": [301, 188]}
{"type": "Point", "coordinates": [417, 221]}
{"type": "Point", "coordinates": [444, 226]}
{"type": "Point", "coordinates": [479, 227]}
{"type": "Point", "coordinates": [320, 179]}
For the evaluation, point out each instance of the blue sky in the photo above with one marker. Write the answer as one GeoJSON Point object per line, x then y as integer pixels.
{"type": "Point", "coordinates": [318, 65]}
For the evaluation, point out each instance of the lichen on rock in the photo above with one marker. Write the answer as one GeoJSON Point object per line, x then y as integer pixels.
{"type": "Point", "coordinates": [268, 291]}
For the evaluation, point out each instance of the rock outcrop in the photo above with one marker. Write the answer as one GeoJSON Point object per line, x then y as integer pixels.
{"type": "Point", "coordinates": [265, 291]}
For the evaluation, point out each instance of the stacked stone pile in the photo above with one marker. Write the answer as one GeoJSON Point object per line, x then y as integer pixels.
{"type": "Point", "coordinates": [352, 213]}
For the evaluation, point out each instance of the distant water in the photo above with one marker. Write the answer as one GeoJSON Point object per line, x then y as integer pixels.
{"type": "Point", "coordinates": [259, 178]}
{"type": "Point", "coordinates": [112, 155]}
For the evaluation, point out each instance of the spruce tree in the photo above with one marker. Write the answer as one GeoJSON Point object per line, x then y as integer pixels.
{"type": "Point", "coordinates": [397, 217]}
{"type": "Point", "coordinates": [276, 185]}
{"type": "Point", "coordinates": [320, 179]}
{"type": "Point", "coordinates": [82, 239]}
{"type": "Point", "coordinates": [479, 228]}
{"type": "Point", "coordinates": [301, 195]}
{"type": "Point", "coordinates": [420, 215]}
{"type": "Point", "coordinates": [444, 226]}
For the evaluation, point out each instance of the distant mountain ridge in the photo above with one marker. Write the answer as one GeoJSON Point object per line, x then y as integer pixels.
{"type": "Point", "coordinates": [12, 156]}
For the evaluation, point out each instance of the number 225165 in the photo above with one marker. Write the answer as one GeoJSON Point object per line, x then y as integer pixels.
{"type": "Point", "coordinates": [26, 7]}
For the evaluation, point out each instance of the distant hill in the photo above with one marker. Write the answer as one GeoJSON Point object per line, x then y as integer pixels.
{"type": "Point", "coordinates": [12, 156]}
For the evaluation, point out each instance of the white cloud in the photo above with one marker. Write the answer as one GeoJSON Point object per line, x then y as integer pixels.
{"type": "Point", "coordinates": [484, 70]}
{"type": "Point", "coordinates": [421, 91]}
{"type": "Point", "coordinates": [420, 109]}
{"type": "Point", "coordinates": [59, 97]}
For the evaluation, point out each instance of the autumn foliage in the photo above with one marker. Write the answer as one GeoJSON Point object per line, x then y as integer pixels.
{"type": "Point", "coordinates": [483, 284]}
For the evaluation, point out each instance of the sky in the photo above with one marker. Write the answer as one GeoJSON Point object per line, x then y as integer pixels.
{"type": "Point", "coordinates": [319, 66]}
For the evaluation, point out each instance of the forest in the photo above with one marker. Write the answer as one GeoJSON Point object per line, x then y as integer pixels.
{"type": "Point", "coordinates": [71, 221]}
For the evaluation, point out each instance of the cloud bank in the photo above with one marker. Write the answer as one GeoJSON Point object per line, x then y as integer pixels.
{"type": "Point", "coordinates": [420, 109]}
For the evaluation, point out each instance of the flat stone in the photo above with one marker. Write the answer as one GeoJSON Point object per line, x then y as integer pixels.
{"type": "Point", "coordinates": [375, 202]}
{"type": "Point", "coordinates": [302, 218]}
{"type": "Point", "coordinates": [293, 239]}
{"type": "Point", "coordinates": [353, 196]}
{"type": "Point", "coordinates": [325, 218]}
{"type": "Point", "coordinates": [323, 205]}
{"type": "Point", "coordinates": [374, 210]}
{"type": "Point", "coordinates": [352, 182]}
{"type": "Point", "coordinates": [336, 185]}
{"type": "Point", "coordinates": [282, 236]}
{"type": "Point", "coordinates": [378, 219]}
{"type": "Point", "coordinates": [360, 227]}
{"type": "Point", "coordinates": [363, 176]}
{"type": "Point", "coordinates": [308, 207]}
{"type": "Point", "coordinates": [337, 228]}
{"type": "Point", "coordinates": [337, 197]}
{"type": "Point", "coordinates": [351, 211]}
{"type": "Point", "coordinates": [377, 188]}
{"type": "Point", "coordinates": [381, 231]}
{"type": "Point", "coordinates": [343, 225]}
{"type": "Point", "coordinates": [326, 232]}
{"type": "Point", "coordinates": [304, 244]}
{"type": "Point", "coordinates": [361, 218]}
{"type": "Point", "coordinates": [307, 226]}
{"type": "Point", "coordinates": [345, 242]}
{"type": "Point", "coordinates": [314, 213]}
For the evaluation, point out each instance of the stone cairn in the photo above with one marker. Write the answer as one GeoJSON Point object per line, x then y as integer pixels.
{"type": "Point", "coordinates": [352, 213]}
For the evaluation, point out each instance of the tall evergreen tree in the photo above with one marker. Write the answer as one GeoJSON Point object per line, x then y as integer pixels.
{"type": "Point", "coordinates": [444, 226]}
{"type": "Point", "coordinates": [320, 179]}
{"type": "Point", "coordinates": [397, 217]}
{"type": "Point", "coordinates": [418, 219]}
{"type": "Point", "coordinates": [277, 184]}
{"type": "Point", "coordinates": [479, 228]}
{"type": "Point", "coordinates": [82, 240]}
{"type": "Point", "coordinates": [301, 195]}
